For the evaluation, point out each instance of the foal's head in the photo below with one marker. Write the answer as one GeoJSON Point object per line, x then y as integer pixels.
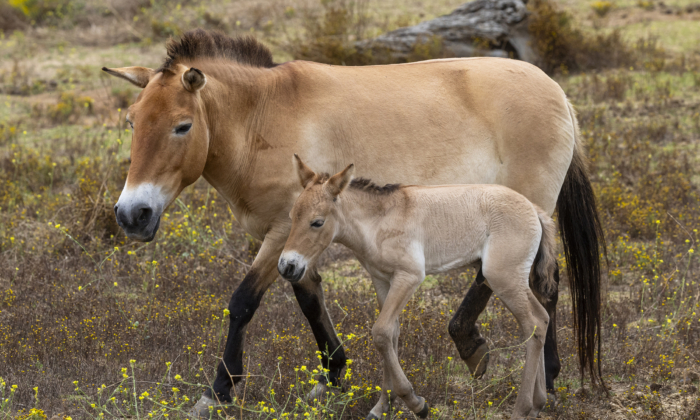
{"type": "Point", "coordinates": [169, 145]}
{"type": "Point", "coordinates": [315, 219]}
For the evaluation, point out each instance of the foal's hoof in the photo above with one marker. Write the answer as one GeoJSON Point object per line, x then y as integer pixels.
{"type": "Point", "coordinates": [478, 361]}
{"type": "Point", "coordinates": [552, 401]}
{"type": "Point", "coordinates": [424, 412]}
{"type": "Point", "coordinates": [202, 409]}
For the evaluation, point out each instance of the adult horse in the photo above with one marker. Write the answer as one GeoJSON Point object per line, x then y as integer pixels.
{"type": "Point", "coordinates": [220, 108]}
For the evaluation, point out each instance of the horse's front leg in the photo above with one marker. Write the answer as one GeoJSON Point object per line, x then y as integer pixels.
{"type": "Point", "coordinates": [471, 345]}
{"type": "Point", "coordinates": [242, 306]}
{"type": "Point", "coordinates": [309, 294]}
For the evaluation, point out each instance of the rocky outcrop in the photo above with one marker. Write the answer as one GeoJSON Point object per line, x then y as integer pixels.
{"type": "Point", "coordinates": [479, 28]}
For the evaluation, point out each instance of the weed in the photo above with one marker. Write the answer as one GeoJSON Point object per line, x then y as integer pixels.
{"type": "Point", "coordinates": [601, 7]}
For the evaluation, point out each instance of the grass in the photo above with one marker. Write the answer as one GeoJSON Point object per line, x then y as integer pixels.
{"type": "Point", "coordinates": [145, 323]}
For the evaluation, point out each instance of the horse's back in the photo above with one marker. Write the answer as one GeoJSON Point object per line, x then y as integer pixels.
{"type": "Point", "coordinates": [473, 120]}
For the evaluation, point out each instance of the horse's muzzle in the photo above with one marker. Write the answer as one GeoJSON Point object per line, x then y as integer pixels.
{"type": "Point", "coordinates": [291, 268]}
{"type": "Point", "coordinates": [139, 222]}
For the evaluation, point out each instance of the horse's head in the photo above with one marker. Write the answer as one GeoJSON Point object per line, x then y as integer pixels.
{"type": "Point", "coordinates": [315, 219]}
{"type": "Point", "coordinates": [169, 144]}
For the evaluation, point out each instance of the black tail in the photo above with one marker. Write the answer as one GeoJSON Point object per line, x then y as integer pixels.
{"type": "Point", "coordinates": [582, 237]}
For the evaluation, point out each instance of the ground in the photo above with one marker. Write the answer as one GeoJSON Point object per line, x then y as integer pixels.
{"type": "Point", "coordinates": [87, 315]}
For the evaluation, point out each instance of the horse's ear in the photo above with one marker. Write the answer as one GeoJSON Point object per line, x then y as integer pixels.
{"type": "Point", "coordinates": [193, 79]}
{"type": "Point", "coordinates": [306, 175]}
{"type": "Point", "coordinates": [139, 76]}
{"type": "Point", "coordinates": [338, 182]}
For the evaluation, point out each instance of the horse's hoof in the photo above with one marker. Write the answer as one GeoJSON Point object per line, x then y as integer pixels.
{"type": "Point", "coordinates": [424, 412]}
{"type": "Point", "coordinates": [479, 361]}
{"type": "Point", "coordinates": [552, 401]}
{"type": "Point", "coordinates": [318, 392]}
{"type": "Point", "coordinates": [202, 410]}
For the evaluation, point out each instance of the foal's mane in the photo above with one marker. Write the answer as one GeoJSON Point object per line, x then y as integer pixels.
{"type": "Point", "coordinates": [368, 186]}
{"type": "Point", "coordinates": [362, 184]}
{"type": "Point", "coordinates": [208, 44]}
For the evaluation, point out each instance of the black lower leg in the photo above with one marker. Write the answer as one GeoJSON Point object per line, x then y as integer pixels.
{"type": "Point", "coordinates": [462, 327]}
{"type": "Point", "coordinates": [309, 294]}
{"type": "Point", "coordinates": [242, 306]}
{"type": "Point", "coordinates": [552, 364]}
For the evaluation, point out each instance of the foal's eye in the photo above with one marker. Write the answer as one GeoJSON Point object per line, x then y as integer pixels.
{"type": "Point", "coordinates": [183, 128]}
{"type": "Point", "coordinates": [317, 223]}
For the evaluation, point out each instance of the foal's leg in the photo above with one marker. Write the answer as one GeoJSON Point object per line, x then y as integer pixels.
{"type": "Point", "coordinates": [471, 345]}
{"type": "Point", "coordinates": [385, 399]}
{"type": "Point", "coordinates": [403, 285]}
{"type": "Point", "coordinates": [309, 294]}
{"type": "Point", "coordinates": [533, 320]}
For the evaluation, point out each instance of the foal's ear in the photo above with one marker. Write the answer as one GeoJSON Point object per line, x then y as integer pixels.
{"type": "Point", "coordinates": [306, 175]}
{"type": "Point", "coordinates": [139, 76]}
{"type": "Point", "coordinates": [193, 79]}
{"type": "Point", "coordinates": [338, 182]}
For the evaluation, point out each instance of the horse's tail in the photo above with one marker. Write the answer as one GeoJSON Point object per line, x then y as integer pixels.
{"type": "Point", "coordinates": [546, 260]}
{"type": "Point", "coordinates": [583, 239]}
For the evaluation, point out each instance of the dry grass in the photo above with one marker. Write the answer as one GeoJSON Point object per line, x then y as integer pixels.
{"type": "Point", "coordinates": [78, 301]}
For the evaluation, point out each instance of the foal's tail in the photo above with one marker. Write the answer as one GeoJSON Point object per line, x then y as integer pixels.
{"type": "Point", "coordinates": [546, 260]}
{"type": "Point", "coordinates": [583, 240]}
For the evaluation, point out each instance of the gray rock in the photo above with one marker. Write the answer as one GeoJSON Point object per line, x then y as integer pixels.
{"type": "Point", "coordinates": [495, 28]}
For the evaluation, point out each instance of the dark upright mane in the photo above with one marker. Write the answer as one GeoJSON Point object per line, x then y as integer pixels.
{"type": "Point", "coordinates": [200, 43]}
{"type": "Point", "coordinates": [367, 185]}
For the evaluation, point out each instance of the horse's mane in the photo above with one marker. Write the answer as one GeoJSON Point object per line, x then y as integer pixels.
{"type": "Point", "coordinates": [208, 44]}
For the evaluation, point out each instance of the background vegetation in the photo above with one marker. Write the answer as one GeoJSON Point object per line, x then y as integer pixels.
{"type": "Point", "coordinates": [93, 325]}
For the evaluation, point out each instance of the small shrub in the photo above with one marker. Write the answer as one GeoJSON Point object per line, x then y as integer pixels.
{"type": "Point", "coordinates": [563, 47]}
{"type": "Point", "coordinates": [330, 38]}
{"type": "Point", "coordinates": [123, 96]}
{"type": "Point", "coordinates": [51, 12]}
{"type": "Point", "coordinates": [165, 28]}
{"type": "Point", "coordinates": [601, 7]}
{"type": "Point", "coordinates": [646, 4]}
{"type": "Point", "coordinates": [68, 108]}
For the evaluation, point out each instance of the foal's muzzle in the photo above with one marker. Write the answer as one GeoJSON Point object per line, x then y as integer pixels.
{"type": "Point", "coordinates": [291, 266]}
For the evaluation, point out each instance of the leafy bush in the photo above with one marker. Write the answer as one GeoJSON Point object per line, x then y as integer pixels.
{"type": "Point", "coordinates": [563, 47]}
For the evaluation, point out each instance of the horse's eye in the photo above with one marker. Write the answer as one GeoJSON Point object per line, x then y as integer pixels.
{"type": "Point", "coordinates": [317, 223]}
{"type": "Point", "coordinates": [183, 128]}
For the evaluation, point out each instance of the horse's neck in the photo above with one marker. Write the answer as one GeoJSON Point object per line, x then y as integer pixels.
{"type": "Point", "coordinates": [233, 105]}
{"type": "Point", "coordinates": [358, 220]}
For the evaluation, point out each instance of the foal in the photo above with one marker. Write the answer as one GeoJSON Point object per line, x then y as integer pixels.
{"type": "Point", "coordinates": [401, 233]}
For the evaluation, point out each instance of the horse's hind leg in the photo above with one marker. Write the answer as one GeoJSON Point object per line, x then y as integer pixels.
{"type": "Point", "coordinates": [464, 332]}
{"type": "Point", "coordinates": [552, 364]}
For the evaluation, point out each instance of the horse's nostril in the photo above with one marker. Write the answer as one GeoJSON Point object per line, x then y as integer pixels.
{"type": "Point", "coordinates": [291, 268]}
{"type": "Point", "coordinates": [116, 209]}
{"type": "Point", "coordinates": [144, 215]}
